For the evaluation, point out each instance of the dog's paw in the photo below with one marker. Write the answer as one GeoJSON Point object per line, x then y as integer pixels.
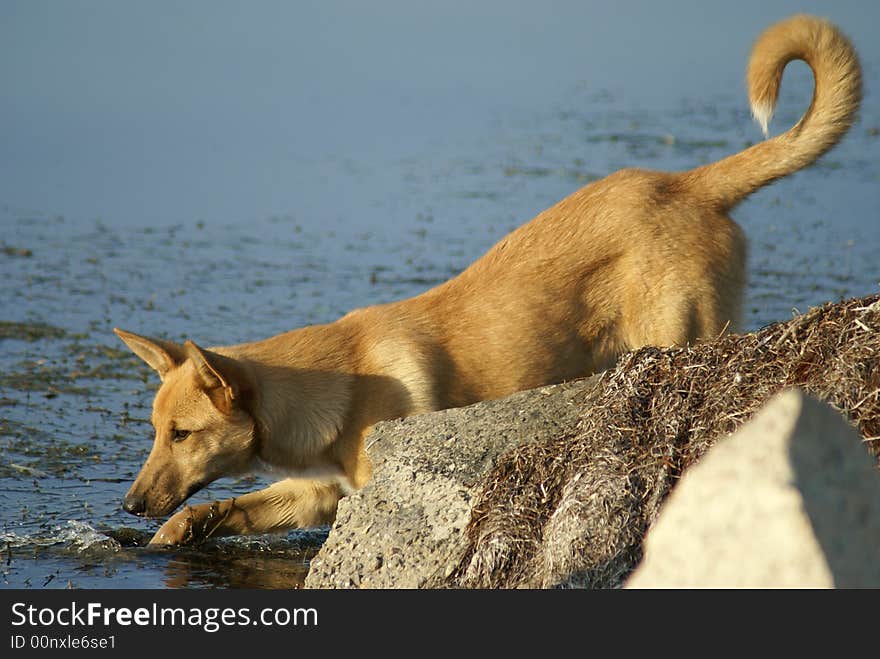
{"type": "Point", "coordinates": [178, 530]}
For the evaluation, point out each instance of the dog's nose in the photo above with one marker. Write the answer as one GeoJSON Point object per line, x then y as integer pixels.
{"type": "Point", "coordinates": [134, 504]}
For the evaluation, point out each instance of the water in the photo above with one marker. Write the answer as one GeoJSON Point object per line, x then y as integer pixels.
{"type": "Point", "coordinates": [447, 154]}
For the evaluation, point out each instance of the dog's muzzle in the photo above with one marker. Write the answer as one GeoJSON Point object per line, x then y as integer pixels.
{"type": "Point", "coordinates": [134, 504]}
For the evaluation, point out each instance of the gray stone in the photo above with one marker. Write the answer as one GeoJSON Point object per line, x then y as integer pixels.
{"type": "Point", "coordinates": [405, 529]}
{"type": "Point", "coordinates": [792, 499]}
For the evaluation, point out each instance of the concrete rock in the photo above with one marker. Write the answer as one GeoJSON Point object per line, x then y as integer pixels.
{"type": "Point", "coordinates": [792, 499]}
{"type": "Point", "coordinates": [550, 490]}
{"type": "Point", "coordinates": [404, 529]}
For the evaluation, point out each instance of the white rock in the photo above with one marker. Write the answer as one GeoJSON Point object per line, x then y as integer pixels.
{"type": "Point", "coordinates": [790, 500]}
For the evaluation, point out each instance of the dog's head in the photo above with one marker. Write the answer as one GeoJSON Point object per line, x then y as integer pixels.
{"type": "Point", "coordinates": [200, 415]}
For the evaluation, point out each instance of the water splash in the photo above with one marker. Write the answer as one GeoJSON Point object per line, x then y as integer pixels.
{"type": "Point", "coordinates": [74, 536]}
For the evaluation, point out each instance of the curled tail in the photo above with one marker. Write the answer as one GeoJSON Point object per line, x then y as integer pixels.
{"type": "Point", "coordinates": [836, 99]}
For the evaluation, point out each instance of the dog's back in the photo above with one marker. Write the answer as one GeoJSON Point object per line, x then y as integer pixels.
{"type": "Point", "coordinates": [640, 257]}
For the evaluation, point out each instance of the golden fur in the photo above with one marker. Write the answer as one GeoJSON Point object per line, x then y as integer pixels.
{"type": "Point", "coordinates": [638, 258]}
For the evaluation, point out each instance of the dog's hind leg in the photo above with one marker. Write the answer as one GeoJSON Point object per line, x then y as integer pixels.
{"type": "Point", "coordinates": [287, 504]}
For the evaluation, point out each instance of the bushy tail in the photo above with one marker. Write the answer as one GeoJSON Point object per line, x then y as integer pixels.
{"type": "Point", "coordinates": [836, 98]}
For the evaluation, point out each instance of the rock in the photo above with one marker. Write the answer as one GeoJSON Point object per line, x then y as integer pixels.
{"type": "Point", "coordinates": [792, 499]}
{"type": "Point", "coordinates": [556, 488]}
{"type": "Point", "coordinates": [405, 528]}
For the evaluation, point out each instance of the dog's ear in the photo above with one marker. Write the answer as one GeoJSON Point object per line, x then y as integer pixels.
{"type": "Point", "coordinates": [224, 379]}
{"type": "Point", "coordinates": [162, 356]}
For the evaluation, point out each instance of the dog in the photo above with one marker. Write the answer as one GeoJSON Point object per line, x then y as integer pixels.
{"type": "Point", "coordinates": [638, 258]}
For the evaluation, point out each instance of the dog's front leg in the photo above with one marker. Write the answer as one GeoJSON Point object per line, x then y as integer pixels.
{"type": "Point", "coordinates": [287, 504]}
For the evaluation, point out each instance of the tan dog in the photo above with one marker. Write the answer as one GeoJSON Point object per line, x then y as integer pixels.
{"type": "Point", "coordinates": [639, 258]}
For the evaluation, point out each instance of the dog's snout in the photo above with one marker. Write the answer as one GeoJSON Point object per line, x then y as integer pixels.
{"type": "Point", "coordinates": [134, 504]}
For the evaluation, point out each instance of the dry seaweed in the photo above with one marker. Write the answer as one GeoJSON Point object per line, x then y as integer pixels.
{"type": "Point", "coordinates": [573, 511]}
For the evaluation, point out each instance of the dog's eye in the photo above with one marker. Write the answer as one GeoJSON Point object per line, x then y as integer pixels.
{"type": "Point", "coordinates": [179, 435]}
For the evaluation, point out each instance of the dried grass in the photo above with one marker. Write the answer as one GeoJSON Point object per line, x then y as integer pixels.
{"type": "Point", "coordinates": [573, 511]}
